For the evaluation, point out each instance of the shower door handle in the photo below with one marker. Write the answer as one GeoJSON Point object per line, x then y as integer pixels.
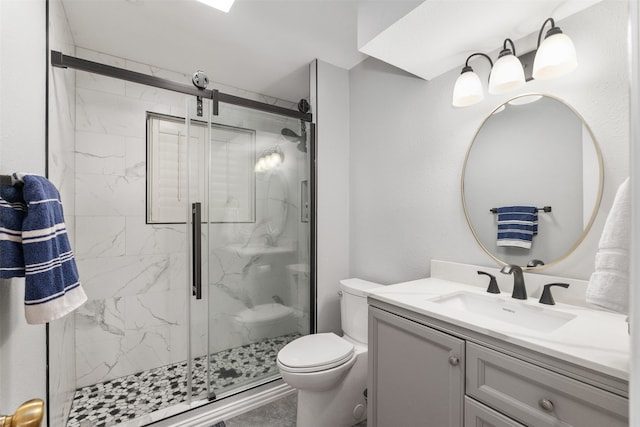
{"type": "Point", "coordinates": [196, 241]}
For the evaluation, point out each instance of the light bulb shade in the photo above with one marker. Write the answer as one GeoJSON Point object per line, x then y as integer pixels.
{"type": "Point", "coordinates": [555, 57]}
{"type": "Point", "coordinates": [467, 90]}
{"type": "Point", "coordinates": [507, 74]}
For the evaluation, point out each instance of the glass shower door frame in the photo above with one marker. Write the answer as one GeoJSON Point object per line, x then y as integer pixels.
{"type": "Point", "coordinates": [206, 248]}
{"type": "Point", "coordinates": [197, 119]}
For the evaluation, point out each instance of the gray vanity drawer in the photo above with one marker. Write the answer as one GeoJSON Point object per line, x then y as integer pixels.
{"type": "Point", "coordinates": [478, 415]}
{"type": "Point", "coordinates": [521, 390]}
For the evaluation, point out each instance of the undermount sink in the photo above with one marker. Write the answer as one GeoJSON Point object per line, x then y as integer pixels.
{"type": "Point", "coordinates": [516, 313]}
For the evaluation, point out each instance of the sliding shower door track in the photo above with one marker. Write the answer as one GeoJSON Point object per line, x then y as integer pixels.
{"type": "Point", "coordinates": [59, 60]}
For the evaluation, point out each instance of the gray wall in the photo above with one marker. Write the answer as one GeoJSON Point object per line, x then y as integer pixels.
{"type": "Point", "coordinates": [22, 148]}
{"type": "Point", "coordinates": [330, 100]}
{"type": "Point", "coordinates": [408, 145]}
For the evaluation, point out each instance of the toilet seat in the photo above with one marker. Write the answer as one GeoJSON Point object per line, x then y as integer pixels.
{"type": "Point", "coordinates": [313, 353]}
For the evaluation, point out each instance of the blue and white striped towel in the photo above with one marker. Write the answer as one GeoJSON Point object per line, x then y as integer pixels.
{"type": "Point", "coordinates": [517, 225]}
{"type": "Point", "coordinates": [13, 209]}
{"type": "Point", "coordinates": [34, 245]}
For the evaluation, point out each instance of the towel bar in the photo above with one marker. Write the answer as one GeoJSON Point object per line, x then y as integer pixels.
{"type": "Point", "coordinates": [545, 209]}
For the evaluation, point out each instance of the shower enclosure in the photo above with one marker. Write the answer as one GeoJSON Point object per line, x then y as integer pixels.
{"type": "Point", "coordinates": [249, 219]}
{"type": "Point", "coordinates": [194, 221]}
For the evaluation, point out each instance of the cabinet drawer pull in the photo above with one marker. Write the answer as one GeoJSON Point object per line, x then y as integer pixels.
{"type": "Point", "coordinates": [546, 404]}
{"type": "Point", "coordinates": [454, 360]}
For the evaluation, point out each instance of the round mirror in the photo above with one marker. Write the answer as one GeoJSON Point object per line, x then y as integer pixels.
{"type": "Point", "coordinates": [532, 181]}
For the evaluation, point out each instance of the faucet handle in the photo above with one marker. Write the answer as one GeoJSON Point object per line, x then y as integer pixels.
{"type": "Point", "coordinates": [493, 284]}
{"type": "Point", "coordinates": [535, 263]}
{"type": "Point", "coordinates": [546, 297]}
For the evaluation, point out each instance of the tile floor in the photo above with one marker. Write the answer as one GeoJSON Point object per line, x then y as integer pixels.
{"type": "Point", "coordinates": [281, 413]}
{"type": "Point", "coordinates": [126, 398]}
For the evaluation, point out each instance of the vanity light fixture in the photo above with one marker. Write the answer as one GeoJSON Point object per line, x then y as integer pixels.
{"type": "Point", "coordinates": [556, 56]}
{"type": "Point", "coordinates": [507, 74]}
{"type": "Point", "coordinates": [468, 88]}
{"type": "Point", "coordinates": [223, 5]}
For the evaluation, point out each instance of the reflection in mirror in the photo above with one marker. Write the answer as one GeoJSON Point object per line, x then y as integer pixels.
{"type": "Point", "coordinates": [532, 151]}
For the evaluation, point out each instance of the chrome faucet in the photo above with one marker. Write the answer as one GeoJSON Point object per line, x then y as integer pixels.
{"type": "Point", "coordinates": [519, 290]}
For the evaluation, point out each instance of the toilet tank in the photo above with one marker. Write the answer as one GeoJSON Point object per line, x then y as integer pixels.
{"type": "Point", "coordinates": [353, 307]}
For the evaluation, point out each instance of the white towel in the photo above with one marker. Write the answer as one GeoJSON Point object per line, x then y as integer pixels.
{"type": "Point", "coordinates": [609, 284]}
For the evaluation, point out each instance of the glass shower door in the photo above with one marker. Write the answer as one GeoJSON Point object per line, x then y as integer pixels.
{"type": "Point", "coordinates": [253, 177]}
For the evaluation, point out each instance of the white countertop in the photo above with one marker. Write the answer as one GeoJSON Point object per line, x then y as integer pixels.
{"type": "Point", "coordinates": [594, 339]}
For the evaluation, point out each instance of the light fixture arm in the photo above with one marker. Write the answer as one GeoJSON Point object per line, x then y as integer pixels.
{"type": "Point", "coordinates": [553, 25]}
{"type": "Point", "coordinates": [513, 46]}
{"type": "Point", "coordinates": [466, 63]}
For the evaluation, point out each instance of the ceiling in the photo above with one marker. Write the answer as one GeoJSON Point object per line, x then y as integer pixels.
{"type": "Point", "coordinates": [456, 26]}
{"type": "Point", "coordinates": [265, 46]}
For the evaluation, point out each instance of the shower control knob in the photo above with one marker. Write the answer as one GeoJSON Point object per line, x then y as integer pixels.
{"type": "Point", "coordinates": [454, 360]}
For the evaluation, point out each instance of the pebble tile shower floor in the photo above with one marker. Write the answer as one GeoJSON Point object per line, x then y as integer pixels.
{"type": "Point", "coordinates": [126, 398]}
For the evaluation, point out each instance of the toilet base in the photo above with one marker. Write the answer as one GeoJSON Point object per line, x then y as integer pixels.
{"type": "Point", "coordinates": [342, 406]}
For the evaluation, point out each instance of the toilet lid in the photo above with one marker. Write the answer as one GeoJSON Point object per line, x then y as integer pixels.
{"type": "Point", "coordinates": [314, 352]}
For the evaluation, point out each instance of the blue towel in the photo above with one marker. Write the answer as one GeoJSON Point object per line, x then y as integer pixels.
{"type": "Point", "coordinates": [13, 209]}
{"type": "Point", "coordinates": [517, 225]}
{"type": "Point", "coordinates": [34, 244]}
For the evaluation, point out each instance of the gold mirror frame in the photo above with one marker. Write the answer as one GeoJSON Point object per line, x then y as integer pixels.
{"type": "Point", "coordinates": [598, 198]}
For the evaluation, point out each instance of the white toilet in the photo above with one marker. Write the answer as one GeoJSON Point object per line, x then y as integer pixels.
{"type": "Point", "coordinates": [330, 372]}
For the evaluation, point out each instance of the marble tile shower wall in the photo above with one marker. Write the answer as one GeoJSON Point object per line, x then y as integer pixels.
{"type": "Point", "coordinates": [134, 273]}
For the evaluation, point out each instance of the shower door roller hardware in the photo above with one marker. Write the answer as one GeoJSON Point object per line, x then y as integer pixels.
{"type": "Point", "coordinates": [454, 360]}
{"type": "Point", "coordinates": [200, 79]}
{"type": "Point", "coordinates": [199, 106]}
{"type": "Point", "coordinates": [196, 241]}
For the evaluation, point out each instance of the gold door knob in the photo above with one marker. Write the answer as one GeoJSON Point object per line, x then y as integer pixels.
{"type": "Point", "coordinates": [29, 414]}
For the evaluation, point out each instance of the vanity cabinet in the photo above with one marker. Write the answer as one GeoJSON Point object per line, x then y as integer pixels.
{"type": "Point", "coordinates": [478, 415]}
{"type": "Point", "coordinates": [415, 373]}
{"type": "Point", "coordinates": [424, 373]}
{"type": "Point", "coordinates": [536, 396]}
